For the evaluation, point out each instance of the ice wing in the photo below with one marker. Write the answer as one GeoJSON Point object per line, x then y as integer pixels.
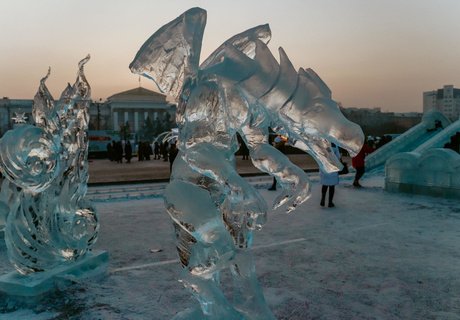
{"type": "Point", "coordinates": [172, 53]}
{"type": "Point", "coordinates": [244, 43]}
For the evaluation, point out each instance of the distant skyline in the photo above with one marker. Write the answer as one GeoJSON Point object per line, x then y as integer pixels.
{"type": "Point", "coordinates": [370, 53]}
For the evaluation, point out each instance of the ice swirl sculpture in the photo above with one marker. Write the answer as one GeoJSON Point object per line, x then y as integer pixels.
{"type": "Point", "coordinates": [46, 169]}
{"type": "Point", "coordinates": [239, 88]}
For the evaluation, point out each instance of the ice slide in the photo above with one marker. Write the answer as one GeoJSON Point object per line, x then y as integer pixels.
{"type": "Point", "coordinates": [409, 140]}
{"type": "Point", "coordinates": [439, 140]}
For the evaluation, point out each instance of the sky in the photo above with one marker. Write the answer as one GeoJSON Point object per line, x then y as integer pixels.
{"type": "Point", "coordinates": [371, 53]}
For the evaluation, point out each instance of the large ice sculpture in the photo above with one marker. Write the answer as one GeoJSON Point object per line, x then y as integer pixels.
{"type": "Point", "coordinates": [49, 224]}
{"type": "Point", "coordinates": [433, 172]}
{"type": "Point", "coordinates": [239, 88]}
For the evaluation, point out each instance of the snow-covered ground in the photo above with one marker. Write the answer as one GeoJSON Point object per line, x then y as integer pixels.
{"type": "Point", "coordinates": [376, 255]}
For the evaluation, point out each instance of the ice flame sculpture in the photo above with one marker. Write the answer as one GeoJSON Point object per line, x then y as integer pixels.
{"type": "Point", "coordinates": [239, 88]}
{"type": "Point", "coordinates": [48, 222]}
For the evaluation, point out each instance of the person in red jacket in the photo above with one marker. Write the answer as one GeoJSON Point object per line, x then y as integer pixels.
{"type": "Point", "coordinates": [359, 164]}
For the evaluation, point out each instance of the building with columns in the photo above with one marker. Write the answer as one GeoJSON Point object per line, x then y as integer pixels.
{"type": "Point", "coordinates": [445, 100]}
{"type": "Point", "coordinates": [132, 107]}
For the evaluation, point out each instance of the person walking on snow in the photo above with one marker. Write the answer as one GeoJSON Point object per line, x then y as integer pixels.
{"type": "Point", "coordinates": [329, 181]}
{"type": "Point", "coordinates": [359, 164]}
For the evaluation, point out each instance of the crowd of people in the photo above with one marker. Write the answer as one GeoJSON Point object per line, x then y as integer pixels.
{"type": "Point", "coordinates": [118, 150]}
{"type": "Point", "coordinates": [167, 150]}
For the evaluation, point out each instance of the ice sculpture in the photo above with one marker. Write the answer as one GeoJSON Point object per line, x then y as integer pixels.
{"type": "Point", "coordinates": [239, 88]}
{"type": "Point", "coordinates": [49, 224]}
{"type": "Point", "coordinates": [433, 172]}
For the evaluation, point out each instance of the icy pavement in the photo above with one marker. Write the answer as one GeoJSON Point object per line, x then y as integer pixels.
{"type": "Point", "coordinates": [376, 255]}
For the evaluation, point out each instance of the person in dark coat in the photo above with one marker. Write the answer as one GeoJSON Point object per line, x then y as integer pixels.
{"type": "Point", "coordinates": [359, 164]}
{"type": "Point", "coordinates": [148, 150]}
{"type": "Point", "coordinates": [140, 151]}
{"type": "Point", "coordinates": [118, 152]}
{"type": "Point", "coordinates": [156, 150]}
{"type": "Point", "coordinates": [165, 150]}
{"type": "Point", "coordinates": [128, 151]}
{"type": "Point", "coordinates": [173, 151]}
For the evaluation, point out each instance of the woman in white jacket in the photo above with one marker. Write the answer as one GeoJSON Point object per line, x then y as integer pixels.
{"type": "Point", "coordinates": [329, 181]}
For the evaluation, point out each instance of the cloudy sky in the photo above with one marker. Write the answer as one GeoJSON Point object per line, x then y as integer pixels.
{"type": "Point", "coordinates": [371, 53]}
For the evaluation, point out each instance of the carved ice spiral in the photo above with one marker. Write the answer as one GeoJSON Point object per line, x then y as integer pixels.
{"type": "Point", "coordinates": [30, 157]}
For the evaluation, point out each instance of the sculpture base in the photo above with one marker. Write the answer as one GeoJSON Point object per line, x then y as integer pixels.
{"type": "Point", "coordinates": [32, 285]}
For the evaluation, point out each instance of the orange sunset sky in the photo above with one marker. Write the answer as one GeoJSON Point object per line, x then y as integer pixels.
{"type": "Point", "coordinates": [371, 53]}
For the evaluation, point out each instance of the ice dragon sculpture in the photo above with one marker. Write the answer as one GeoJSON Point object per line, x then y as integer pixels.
{"type": "Point", "coordinates": [239, 88]}
{"type": "Point", "coordinates": [48, 222]}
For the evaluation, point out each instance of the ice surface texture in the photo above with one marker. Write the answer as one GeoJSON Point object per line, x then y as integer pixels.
{"type": "Point", "coordinates": [239, 88]}
{"type": "Point", "coordinates": [48, 222]}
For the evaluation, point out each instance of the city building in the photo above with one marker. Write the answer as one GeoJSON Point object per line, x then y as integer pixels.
{"type": "Point", "coordinates": [374, 122]}
{"type": "Point", "coordinates": [133, 107]}
{"type": "Point", "coordinates": [445, 100]}
{"type": "Point", "coordinates": [137, 109]}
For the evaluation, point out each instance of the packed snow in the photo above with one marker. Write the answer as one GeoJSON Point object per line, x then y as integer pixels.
{"type": "Point", "coordinates": [377, 255]}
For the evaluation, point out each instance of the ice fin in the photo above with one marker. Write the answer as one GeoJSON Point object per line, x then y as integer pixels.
{"type": "Point", "coordinates": [316, 86]}
{"type": "Point", "coordinates": [266, 74]}
{"type": "Point", "coordinates": [43, 111]}
{"type": "Point", "coordinates": [233, 64]}
{"type": "Point", "coordinates": [173, 52]}
{"type": "Point", "coordinates": [244, 42]}
{"type": "Point", "coordinates": [284, 86]}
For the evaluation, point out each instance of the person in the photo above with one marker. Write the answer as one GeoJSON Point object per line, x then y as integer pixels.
{"type": "Point", "coordinates": [148, 150]}
{"type": "Point", "coordinates": [156, 150]}
{"type": "Point", "coordinates": [359, 164]}
{"type": "Point", "coordinates": [437, 125]}
{"type": "Point", "coordinates": [118, 150]}
{"type": "Point", "coordinates": [110, 150]}
{"type": "Point", "coordinates": [172, 155]}
{"type": "Point", "coordinates": [128, 151]}
{"type": "Point", "coordinates": [140, 151]}
{"type": "Point", "coordinates": [165, 146]}
{"type": "Point", "coordinates": [279, 143]}
{"type": "Point", "coordinates": [329, 181]}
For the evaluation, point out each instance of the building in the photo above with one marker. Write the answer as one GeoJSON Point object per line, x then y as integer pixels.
{"type": "Point", "coordinates": [134, 108]}
{"type": "Point", "coordinates": [445, 100]}
{"type": "Point", "coordinates": [137, 109]}
{"type": "Point", "coordinates": [374, 122]}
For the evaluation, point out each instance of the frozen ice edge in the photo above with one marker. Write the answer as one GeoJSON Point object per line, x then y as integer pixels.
{"type": "Point", "coordinates": [36, 284]}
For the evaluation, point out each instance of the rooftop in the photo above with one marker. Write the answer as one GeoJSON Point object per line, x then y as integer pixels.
{"type": "Point", "coordinates": [139, 94]}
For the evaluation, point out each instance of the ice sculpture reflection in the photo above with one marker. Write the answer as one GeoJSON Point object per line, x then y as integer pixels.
{"type": "Point", "coordinates": [239, 88]}
{"type": "Point", "coordinates": [46, 169]}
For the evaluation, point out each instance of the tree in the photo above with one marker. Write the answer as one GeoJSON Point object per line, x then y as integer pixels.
{"type": "Point", "coordinates": [125, 131]}
{"type": "Point", "coordinates": [148, 130]}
